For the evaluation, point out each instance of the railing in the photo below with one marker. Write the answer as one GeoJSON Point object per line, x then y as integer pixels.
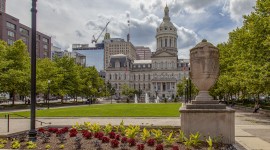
{"type": "Point", "coordinates": [8, 119]}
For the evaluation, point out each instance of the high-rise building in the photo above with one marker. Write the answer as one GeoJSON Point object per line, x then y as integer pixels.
{"type": "Point", "coordinates": [11, 30]}
{"type": "Point", "coordinates": [94, 55]}
{"type": "Point", "coordinates": [79, 59]}
{"type": "Point", "coordinates": [114, 46]}
{"type": "Point", "coordinates": [56, 52]}
{"type": "Point", "coordinates": [3, 6]}
{"type": "Point", "coordinates": [143, 53]}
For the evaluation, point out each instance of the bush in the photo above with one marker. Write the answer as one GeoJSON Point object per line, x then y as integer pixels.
{"type": "Point", "coordinates": [112, 135]}
{"type": "Point", "coordinates": [98, 135]}
{"type": "Point", "coordinates": [117, 137]}
{"type": "Point", "coordinates": [175, 148]}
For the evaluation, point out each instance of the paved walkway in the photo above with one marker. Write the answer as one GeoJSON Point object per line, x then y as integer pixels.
{"type": "Point", "coordinates": [252, 130]}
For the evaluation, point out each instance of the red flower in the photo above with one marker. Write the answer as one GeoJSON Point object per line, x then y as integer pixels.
{"type": "Point", "coordinates": [140, 146]}
{"type": "Point", "coordinates": [98, 135]}
{"type": "Point", "coordinates": [53, 130]}
{"type": "Point", "coordinates": [42, 130]}
{"type": "Point", "coordinates": [73, 132]}
{"type": "Point", "coordinates": [175, 148]}
{"type": "Point", "coordinates": [117, 137]}
{"type": "Point", "coordinates": [112, 135]}
{"type": "Point", "coordinates": [114, 143]}
{"type": "Point", "coordinates": [159, 147]}
{"type": "Point", "coordinates": [124, 140]}
{"type": "Point", "coordinates": [105, 139]}
{"type": "Point", "coordinates": [87, 134]}
{"type": "Point", "coordinates": [131, 142]}
{"type": "Point", "coordinates": [151, 142]}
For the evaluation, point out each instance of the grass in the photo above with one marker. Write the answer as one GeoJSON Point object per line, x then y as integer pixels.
{"type": "Point", "coordinates": [110, 110]}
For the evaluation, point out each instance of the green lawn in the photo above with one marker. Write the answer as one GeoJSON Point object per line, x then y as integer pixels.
{"type": "Point", "coordinates": [110, 110]}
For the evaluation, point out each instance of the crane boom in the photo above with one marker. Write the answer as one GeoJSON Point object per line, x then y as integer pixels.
{"type": "Point", "coordinates": [105, 28]}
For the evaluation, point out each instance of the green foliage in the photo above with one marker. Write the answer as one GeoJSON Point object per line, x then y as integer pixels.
{"type": "Point", "coordinates": [188, 142]}
{"type": "Point", "coordinates": [108, 129]}
{"type": "Point", "coordinates": [122, 128]}
{"type": "Point", "coordinates": [15, 144]}
{"type": "Point", "coordinates": [145, 134]}
{"type": "Point", "coordinates": [132, 131]}
{"type": "Point", "coordinates": [244, 58]}
{"type": "Point", "coordinates": [182, 85]}
{"type": "Point", "coordinates": [195, 139]}
{"type": "Point", "coordinates": [48, 146]}
{"type": "Point", "coordinates": [169, 140]}
{"type": "Point", "coordinates": [210, 143]}
{"type": "Point", "coordinates": [3, 141]}
{"type": "Point", "coordinates": [128, 91]}
{"type": "Point", "coordinates": [182, 136]}
{"type": "Point", "coordinates": [2, 145]}
{"type": "Point", "coordinates": [15, 69]}
{"type": "Point", "coordinates": [157, 134]}
{"type": "Point", "coordinates": [77, 126]}
{"type": "Point", "coordinates": [62, 146]}
{"type": "Point", "coordinates": [95, 127]}
{"type": "Point", "coordinates": [31, 145]}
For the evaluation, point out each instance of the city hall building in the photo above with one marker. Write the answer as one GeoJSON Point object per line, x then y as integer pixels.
{"type": "Point", "coordinates": [157, 76]}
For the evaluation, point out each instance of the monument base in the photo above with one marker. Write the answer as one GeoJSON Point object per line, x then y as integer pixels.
{"type": "Point", "coordinates": [209, 122]}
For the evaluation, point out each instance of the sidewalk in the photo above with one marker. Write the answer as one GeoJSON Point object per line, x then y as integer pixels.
{"type": "Point", "coordinates": [252, 131]}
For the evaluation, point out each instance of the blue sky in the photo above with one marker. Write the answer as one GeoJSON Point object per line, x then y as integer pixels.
{"type": "Point", "coordinates": [76, 21]}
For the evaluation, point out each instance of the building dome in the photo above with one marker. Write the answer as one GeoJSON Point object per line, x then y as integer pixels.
{"type": "Point", "coordinates": [166, 33]}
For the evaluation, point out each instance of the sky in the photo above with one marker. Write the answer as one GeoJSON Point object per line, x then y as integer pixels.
{"type": "Point", "coordinates": [76, 21]}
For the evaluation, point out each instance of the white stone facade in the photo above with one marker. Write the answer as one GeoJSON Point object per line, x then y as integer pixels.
{"type": "Point", "coordinates": [157, 76]}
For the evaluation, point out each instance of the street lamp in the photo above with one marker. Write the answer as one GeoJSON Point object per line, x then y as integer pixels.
{"type": "Point", "coordinates": [48, 97]}
{"type": "Point", "coordinates": [32, 133]}
{"type": "Point", "coordinates": [90, 99]}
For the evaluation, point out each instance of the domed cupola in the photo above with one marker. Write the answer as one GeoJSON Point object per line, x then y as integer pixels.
{"type": "Point", "coordinates": [167, 34]}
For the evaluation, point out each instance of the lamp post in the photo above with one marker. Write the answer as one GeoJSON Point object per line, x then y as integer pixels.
{"type": "Point", "coordinates": [90, 99]}
{"type": "Point", "coordinates": [48, 97]}
{"type": "Point", "coordinates": [32, 133]}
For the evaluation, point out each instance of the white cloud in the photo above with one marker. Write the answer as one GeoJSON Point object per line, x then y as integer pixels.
{"type": "Point", "coordinates": [73, 21]}
{"type": "Point", "coordinates": [238, 8]}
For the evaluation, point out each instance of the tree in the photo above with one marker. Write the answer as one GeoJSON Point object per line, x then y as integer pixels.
{"type": "Point", "coordinates": [66, 67]}
{"type": "Point", "coordinates": [181, 88]}
{"type": "Point", "coordinates": [15, 70]}
{"type": "Point", "coordinates": [127, 91]}
{"type": "Point", "coordinates": [244, 58]}
{"type": "Point", "coordinates": [48, 71]}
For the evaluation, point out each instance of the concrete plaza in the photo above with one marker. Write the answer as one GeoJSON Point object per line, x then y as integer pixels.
{"type": "Point", "coordinates": [252, 130]}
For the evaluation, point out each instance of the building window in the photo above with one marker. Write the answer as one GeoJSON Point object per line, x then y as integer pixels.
{"type": "Point", "coordinates": [11, 25]}
{"type": "Point", "coordinates": [24, 39]}
{"type": "Point", "coordinates": [24, 31]}
{"type": "Point", "coordinates": [45, 40]}
{"type": "Point", "coordinates": [10, 42]}
{"type": "Point", "coordinates": [45, 46]}
{"type": "Point", "coordinates": [11, 34]}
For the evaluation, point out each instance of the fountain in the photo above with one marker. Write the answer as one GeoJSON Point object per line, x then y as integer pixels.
{"type": "Point", "coordinates": [135, 99]}
{"type": "Point", "coordinates": [146, 98]}
{"type": "Point", "coordinates": [157, 99]}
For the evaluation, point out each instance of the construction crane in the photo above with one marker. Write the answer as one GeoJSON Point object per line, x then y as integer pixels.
{"type": "Point", "coordinates": [96, 39]}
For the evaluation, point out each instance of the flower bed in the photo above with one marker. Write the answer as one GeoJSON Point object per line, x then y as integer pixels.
{"type": "Point", "coordinates": [93, 136]}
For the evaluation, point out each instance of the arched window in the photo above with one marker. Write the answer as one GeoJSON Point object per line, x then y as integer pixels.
{"type": "Point", "coordinates": [170, 42]}
{"type": "Point", "coordinates": [115, 77]}
{"type": "Point", "coordinates": [161, 42]}
{"type": "Point", "coordinates": [110, 76]}
{"type": "Point", "coordinates": [165, 42]}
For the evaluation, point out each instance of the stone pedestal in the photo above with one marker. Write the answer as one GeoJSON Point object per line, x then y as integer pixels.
{"type": "Point", "coordinates": [215, 122]}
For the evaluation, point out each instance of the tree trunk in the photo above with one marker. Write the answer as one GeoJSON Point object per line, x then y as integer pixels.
{"type": "Point", "coordinates": [62, 99]}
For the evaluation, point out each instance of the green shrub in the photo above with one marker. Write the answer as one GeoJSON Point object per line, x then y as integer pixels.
{"type": "Point", "coordinates": [169, 140]}
{"type": "Point", "coordinates": [31, 145]}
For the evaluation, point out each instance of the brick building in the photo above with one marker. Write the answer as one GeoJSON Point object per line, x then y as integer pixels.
{"type": "Point", "coordinates": [11, 30]}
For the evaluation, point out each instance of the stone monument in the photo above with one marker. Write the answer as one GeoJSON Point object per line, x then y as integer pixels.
{"type": "Point", "coordinates": [205, 115]}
